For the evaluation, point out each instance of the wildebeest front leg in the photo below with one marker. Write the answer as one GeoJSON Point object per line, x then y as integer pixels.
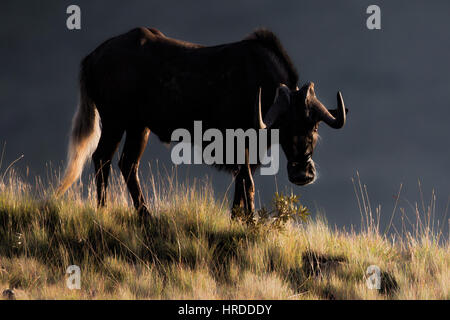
{"type": "Point", "coordinates": [134, 147]}
{"type": "Point", "coordinates": [244, 194]}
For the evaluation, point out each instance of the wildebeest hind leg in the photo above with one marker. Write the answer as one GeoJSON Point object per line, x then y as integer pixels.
{"type": "Point", "coordinates": [135, 142]}
{"type": "Point", "coordinates": [107, 146]}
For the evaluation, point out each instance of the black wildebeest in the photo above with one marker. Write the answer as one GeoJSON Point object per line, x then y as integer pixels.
{"type": "Point", "coordinates": [143, 80]}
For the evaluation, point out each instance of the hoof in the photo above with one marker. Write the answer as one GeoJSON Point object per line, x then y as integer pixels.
{"type": "Point", "coordinates": [242, 214]}
{"type": "Point", "coordinates": [143, 212]}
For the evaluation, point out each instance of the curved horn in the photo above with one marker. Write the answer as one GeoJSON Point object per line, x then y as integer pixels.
{"type": "Point", "coordinates": [259, 121]}
{"type": "Point", "coordinates": [279, 106]}
{"type": "Point", "coordinates": [326, 116]}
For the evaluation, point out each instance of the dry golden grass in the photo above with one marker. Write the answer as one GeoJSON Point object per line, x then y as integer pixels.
{"type": "Point", "coordinates": [190, 249]}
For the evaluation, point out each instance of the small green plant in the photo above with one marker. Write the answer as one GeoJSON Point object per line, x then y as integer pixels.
{"type": "Point", "coordinates": [285, 208]}
{"type": "Point", "coordinates": [288, 208]}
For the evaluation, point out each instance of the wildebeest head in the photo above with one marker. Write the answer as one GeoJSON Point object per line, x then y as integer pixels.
{"type": "Point", "coordinates": [297, 114]}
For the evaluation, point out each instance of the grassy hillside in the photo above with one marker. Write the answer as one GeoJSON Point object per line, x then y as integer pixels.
{"type": "Point", "coordinates": [191, 249]}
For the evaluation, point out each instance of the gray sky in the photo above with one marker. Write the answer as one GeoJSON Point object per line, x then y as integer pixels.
{"type": "Point", "coordinates": [395, 82]}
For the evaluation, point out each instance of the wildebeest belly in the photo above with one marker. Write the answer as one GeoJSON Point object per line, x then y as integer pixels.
{"type": "Point", "coordinates": [177, 97]}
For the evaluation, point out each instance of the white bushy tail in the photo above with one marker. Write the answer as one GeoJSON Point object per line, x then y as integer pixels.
{"type": "Point", "coordinates": [83, 139]}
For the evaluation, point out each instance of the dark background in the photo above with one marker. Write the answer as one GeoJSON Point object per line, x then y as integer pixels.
{"type": "Point", "coordinates": [395, 82]}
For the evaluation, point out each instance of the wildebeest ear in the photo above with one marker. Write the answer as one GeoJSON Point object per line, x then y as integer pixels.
{"type": "Point", "coordinates": [334, 112]}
